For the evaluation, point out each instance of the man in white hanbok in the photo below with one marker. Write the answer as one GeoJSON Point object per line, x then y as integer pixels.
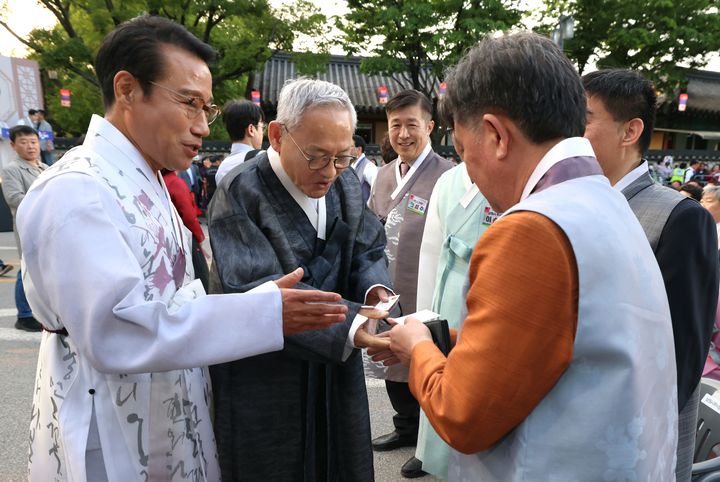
{"type": "Point", "coordinates": [121, 391]}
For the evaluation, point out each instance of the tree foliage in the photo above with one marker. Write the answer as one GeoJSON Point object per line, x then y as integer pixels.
{"type": "Point", "coordinates": [657, 37]}
{"type": "Point", "coordinates": [414, 41]}
{"type": "Point", "coordinates": [244, 32]}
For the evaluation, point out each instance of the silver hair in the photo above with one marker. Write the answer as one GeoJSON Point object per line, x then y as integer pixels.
{"type": "Point", "coordinates": [299, 95]}
{"type": "Point", "coordinates": [712, 190]}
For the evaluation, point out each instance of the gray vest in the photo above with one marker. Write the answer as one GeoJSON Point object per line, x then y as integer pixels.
{"type": "Point", "coordinates": [404, 227]}
{"type": "Point", "coordinates": [612, 415]}
{"type": "Point", "coordinates": [652, 205]}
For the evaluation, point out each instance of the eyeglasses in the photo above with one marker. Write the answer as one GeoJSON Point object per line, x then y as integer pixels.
{"type": "Point", "coordinates": [194, 105]}
{"type": "Point", "coordinates": [315, 163]}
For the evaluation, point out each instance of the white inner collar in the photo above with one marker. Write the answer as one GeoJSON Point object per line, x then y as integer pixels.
{"type": "Point", "coordinates": [571, 147]}
{"type": "Point", "coordinates": [313, 208]}
{"type": "Point", "coordinates": [402, 180]}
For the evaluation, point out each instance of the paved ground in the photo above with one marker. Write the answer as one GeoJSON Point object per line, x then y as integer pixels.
{"type": "Point", "coordinates": [18, 356]}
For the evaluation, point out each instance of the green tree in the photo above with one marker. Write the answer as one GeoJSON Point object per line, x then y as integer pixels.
{"type": "Point", "coordinates": [414, 41]}
{"type": "Point", "coordinates": [244, 32]}
{"type": "Point", "coordinates": [660, 38]}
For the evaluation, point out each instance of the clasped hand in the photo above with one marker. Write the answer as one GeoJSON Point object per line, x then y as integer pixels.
{"type": "Point", "coordinates": [363, 337]}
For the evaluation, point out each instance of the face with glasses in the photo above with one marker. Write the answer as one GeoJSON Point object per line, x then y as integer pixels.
{"type": "Point", "coordinates": [194, 106]}
{"type": "Point", "coordinates": [317, 151]}
{"type": "Point", "coordinates": [256, 133]}
{"type": "Point", "coordinates": [168, 124]}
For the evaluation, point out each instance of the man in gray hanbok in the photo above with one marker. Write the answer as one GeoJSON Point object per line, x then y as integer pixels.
{"type": "Point", "coordinates": [299, 204]}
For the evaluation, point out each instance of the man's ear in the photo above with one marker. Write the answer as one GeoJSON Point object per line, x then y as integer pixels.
{"type": "Point", "coordinates": [430, 126]}
{"type": "Point", "coordinates": [497, 133]}
{"type": "Point", "coordinates": [126, 87]}
{"type": "Point", "coordinates": [274, 134]}
{"type": "Point", "coordinates": [633, 129]}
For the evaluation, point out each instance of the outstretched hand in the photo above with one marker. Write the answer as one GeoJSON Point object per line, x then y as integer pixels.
{"type": "Point", "coordinates": [305, 310]}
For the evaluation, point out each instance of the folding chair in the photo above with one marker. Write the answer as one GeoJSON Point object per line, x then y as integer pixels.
{"type": "Point", "coordinates": [704, 468]}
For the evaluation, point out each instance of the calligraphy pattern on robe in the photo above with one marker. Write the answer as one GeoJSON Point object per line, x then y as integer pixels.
{"type": "Point", "coordinates": [152, 426]}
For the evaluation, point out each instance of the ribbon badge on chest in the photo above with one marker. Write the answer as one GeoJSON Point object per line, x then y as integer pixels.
{"type": "Point", "coordinates": [417, 204]}
{"type": "Point", "coordinates": [489, 216]}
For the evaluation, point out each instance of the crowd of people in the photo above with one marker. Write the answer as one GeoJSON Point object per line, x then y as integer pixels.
{"type": "Point", "coordinates": [578, 295]}
{"type": "Point", "coordinates": [679, 174]}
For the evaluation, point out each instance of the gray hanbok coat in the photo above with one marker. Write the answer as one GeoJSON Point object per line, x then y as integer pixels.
{"type": "Point", "coordinates": [300, 414]}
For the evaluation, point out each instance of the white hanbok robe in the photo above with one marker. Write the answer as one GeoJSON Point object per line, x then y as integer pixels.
{"type": "Point", "coordinates": [104, 257]}
{"type": "Point", "coordinates": [457, 216]}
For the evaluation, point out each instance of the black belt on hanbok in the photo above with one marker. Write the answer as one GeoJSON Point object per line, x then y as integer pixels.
{"type": "Point", "coordinates": [61, 331]}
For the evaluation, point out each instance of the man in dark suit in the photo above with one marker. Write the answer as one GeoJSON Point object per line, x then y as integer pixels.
{"type": "Point", "coordinates": [191, 176]}
{"type": "Point", "coordinates": [620, 118]}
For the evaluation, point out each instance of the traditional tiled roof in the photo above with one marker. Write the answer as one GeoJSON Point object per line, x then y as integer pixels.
{"type": "Point", "coordinates": [703, 90]}
{"type": "Point", "coordinates": [341, 70]}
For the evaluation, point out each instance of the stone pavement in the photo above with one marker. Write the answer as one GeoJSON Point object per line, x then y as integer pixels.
{"type": "Point", "coordinates": [18, 357]}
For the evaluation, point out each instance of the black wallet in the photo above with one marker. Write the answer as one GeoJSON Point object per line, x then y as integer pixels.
{"type": "Point", "coordinates": [440, 334]}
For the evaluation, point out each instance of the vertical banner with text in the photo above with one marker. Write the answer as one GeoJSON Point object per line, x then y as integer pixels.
{"type": "Point", "coordinates": [682, 102]}
{"type": "Point", "coordinates": [65, 97]}
{"type": "Point", "coordinates": [255, 95]}
{"type": "Point", "coordinates": [382, 94]}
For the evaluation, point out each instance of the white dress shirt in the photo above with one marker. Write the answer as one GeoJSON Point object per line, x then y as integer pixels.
{"type": "Point", "coordinates": [238, 151]}
{"type": "Point", "coordinates": [632, 176]}
{"type": "Point", "coordinates": [369, 173]}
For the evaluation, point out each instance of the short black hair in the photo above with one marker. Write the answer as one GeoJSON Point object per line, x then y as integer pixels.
{"type": "Point", "coordinates": [695, 191]}
{"type": "Point", "coordinates": [524, 76]}
{"type": "Point", "coordinates": [387, 152]}
{"type": "Point", "coordinates": [136, 46]}
{"type": "Point", "coordinates": [237, 115]}
{"type": "Point", "coordinates": [22, 130]}
{"type": "Point", "coordinates": [32, 112]}
{"type": "Point", "coordinates": [626, 95]}
{"type": "Point", "coordinates": [359, 142]}
{"type": "Point", "coordinates": [409, 98]}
